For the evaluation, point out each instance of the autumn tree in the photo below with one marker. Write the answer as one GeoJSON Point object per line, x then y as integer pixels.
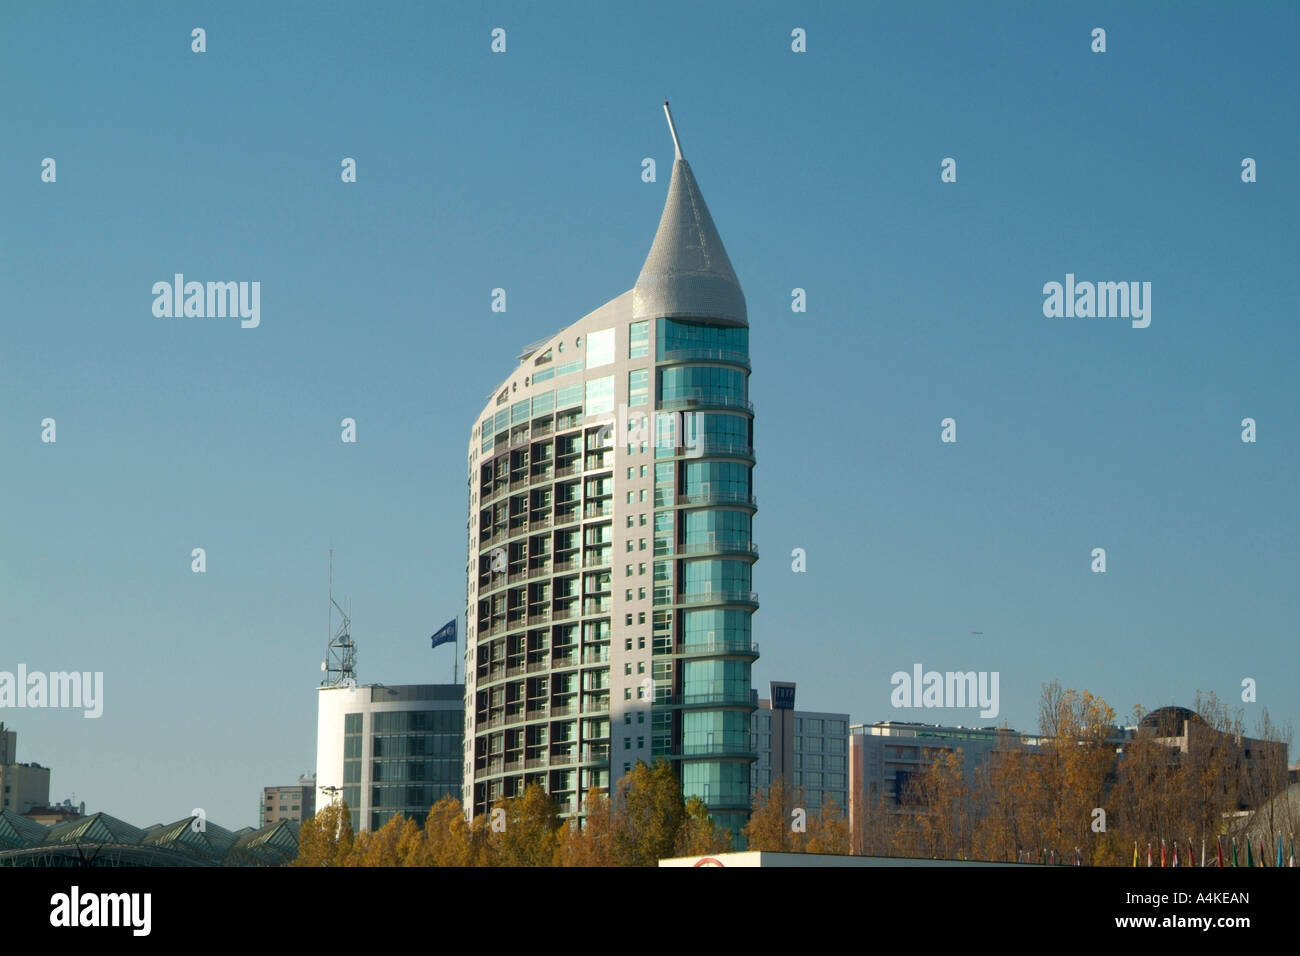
{"type": "Point", "coordinates": [772, 818]}
{"type": "Point", "coordinates": [379, 848]}
{"type": "Point", "coordinates": [449, 839]}
{"type": "Point", "coordinates": [590, 841]}
{"type": "Point", "coordinates": [649, 810]}
{"type": "Point", "coordinates": [326, 839]}
{"type": "Point", "coordinates": [828, 831]}
{"type": "Point", "coordinates": [699, 834]}
{"type": "Point", "coordinates": [531, 824]}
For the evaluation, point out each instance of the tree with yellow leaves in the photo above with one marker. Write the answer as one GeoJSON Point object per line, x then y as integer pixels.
{"type": "Point", "coordinates": [531, 824]}
{"type": "Point", "coordinates": [771, 825]}
{"type": "Point", "coordinates": [589, 842]}
{"type": "Point", "coordinates": [326, 839]}
{"type": "Point", "coordinates": [698, 834]}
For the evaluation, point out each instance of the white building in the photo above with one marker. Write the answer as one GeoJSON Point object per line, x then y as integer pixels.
{"type": "Point", "coordinates": [388, 750]}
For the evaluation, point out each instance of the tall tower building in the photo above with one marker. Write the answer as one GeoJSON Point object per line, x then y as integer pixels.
{"type": "Point", "coordinates": [611, 507]}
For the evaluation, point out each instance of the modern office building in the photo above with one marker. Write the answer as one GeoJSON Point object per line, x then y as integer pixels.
{"type": "Point", "coordinates": [807, 748]}
{"type": "Point", "coordinates": [388, 750]}
{"type": "Point", "coordinates": [294, 803]}
{"type": "Point", "coordinates": [611, 505]}
{"type": "Point", "coordinates": [22, 785]}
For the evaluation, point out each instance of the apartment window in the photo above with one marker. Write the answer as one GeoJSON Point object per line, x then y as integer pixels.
{"type": "Point", "coordinates": [640, 643]}
{"type": "Point", "coordinates": [627, 668]}
{"type": "Point", "coordinates": [640, 742]}
{"type": "Point", "coordinates": [627, 644]}
{"type": "Point", "coordinates": [629, 520]}
{"type": "Point", "coordinates": [627, 768]}
{"type": "Point", "coordinates": [629, 497]}
{"type": "Point", "coordinates": [640, 568]}
{"type": "Point", "coordinates": [627, 693]}
{"type": "Point", "coordinates": [627, 619]}
{"type": "Point", "coordinates": [640, 619]}
{"type": "Point", "coordinates": [627, 743]}
{"type": "Point", "coordinates": [640, 667]}
{"type": "Point", "coordinates": [642, 519]}
{"type": "Point", "coordinates": [640, 716]}
{"type": "Point", "coordinates": [642, 494]}
{"type": "Point", "coordinates": [640, 595]}
{"type": "Point", "coordinates": [627, 717]}
{"type": "Point", "coordinates": [627, 595]}
{"type": "Point", "coordinates": [640, 544]}
{"type": "Point", "coordinates": [629, 544]}
{"type": "Point", "coordinates": [638, 345]}
{"type": "Point", "coordinates": [600, 348]}
{"type": "Point", "coordinates": [638, 387]}
{"type": "Point", "coordinates": [640, 693]}
{"type": "Point", "coordinates": [643, 471]}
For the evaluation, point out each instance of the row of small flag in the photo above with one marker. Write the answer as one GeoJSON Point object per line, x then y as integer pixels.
{"type": "Point", "coordinates": [1177, 857]}
{"type": "Point", "coordinates": [1188, 857]}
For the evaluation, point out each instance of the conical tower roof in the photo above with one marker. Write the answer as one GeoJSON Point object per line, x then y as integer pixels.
{"type": "Point", "coordinates": [687, 273]}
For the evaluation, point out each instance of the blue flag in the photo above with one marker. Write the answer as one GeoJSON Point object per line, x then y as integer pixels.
{"type": "Point", "coordinates": [445, 634]}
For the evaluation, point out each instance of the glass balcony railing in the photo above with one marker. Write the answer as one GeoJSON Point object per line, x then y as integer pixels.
{"type": "Point", "coordinates": [706, 355]}
{"type": "Point", "coordinates": [702, 399]}
{"type": "Point", "coordinates": [718, 596]}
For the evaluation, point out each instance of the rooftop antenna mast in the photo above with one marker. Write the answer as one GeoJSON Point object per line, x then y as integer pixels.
{"type": "Point", "coordinates": [672, 128]}
{"type": "Point", "coordinates": [340, 664]}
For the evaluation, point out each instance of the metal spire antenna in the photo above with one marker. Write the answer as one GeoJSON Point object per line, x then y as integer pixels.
{"type": "Point", "coordinates": [672, 128]}
{"type": "Point", "coordinates": [340, 664]}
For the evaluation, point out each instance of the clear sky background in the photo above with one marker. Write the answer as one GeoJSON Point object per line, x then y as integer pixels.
{"type": "Point", "coordinates": [522, 170]}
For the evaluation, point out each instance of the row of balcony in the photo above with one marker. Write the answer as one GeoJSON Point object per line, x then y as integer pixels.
{"type": "Point", "coordinates": [706, 355]}
{"type": "Point", "coordinates": [702, 399]}
{"type": "Point", "coordinates": [598, 754]}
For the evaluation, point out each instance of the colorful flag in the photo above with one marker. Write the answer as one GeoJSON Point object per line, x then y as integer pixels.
{"type": "Point", "coordinates": [1279, 850]}
{"type": "Point", "coordinates": [1234, 851]}
{"type": "Point", "coordinates": [445, 634]}
{"type": "Point", "coordinates": [1250, 859]}
{"type": "Point", "coordinates": [1175, 860]}
{"type": "Point", "coordinates": [1292, 863]}
{"type": "Point", "coordinates": [1262, 858]}
{"type": "Point", "coordinates": [1149, 863]}
{"type": "Point", "coordinates": [1162, 854]}
{"type": "Point", "coordinates": [1135, 853]}
{"type": "Point", "coordinates": [1218, 849]}
{"type": "Point", "coordinates": [1202, 852]}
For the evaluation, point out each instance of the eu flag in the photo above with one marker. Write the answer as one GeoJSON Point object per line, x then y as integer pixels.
{"type": "Point", "coordinates": [445, 634]}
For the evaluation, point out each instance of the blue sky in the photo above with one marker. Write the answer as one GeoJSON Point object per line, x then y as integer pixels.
{"type": "Point", "coordinates": [522, 170]}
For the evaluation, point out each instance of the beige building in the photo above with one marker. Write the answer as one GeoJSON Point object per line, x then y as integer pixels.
{"type": "Point", "coordinates": [291, 804]}
{"type": "Point", "coordinates": [22, 785]}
